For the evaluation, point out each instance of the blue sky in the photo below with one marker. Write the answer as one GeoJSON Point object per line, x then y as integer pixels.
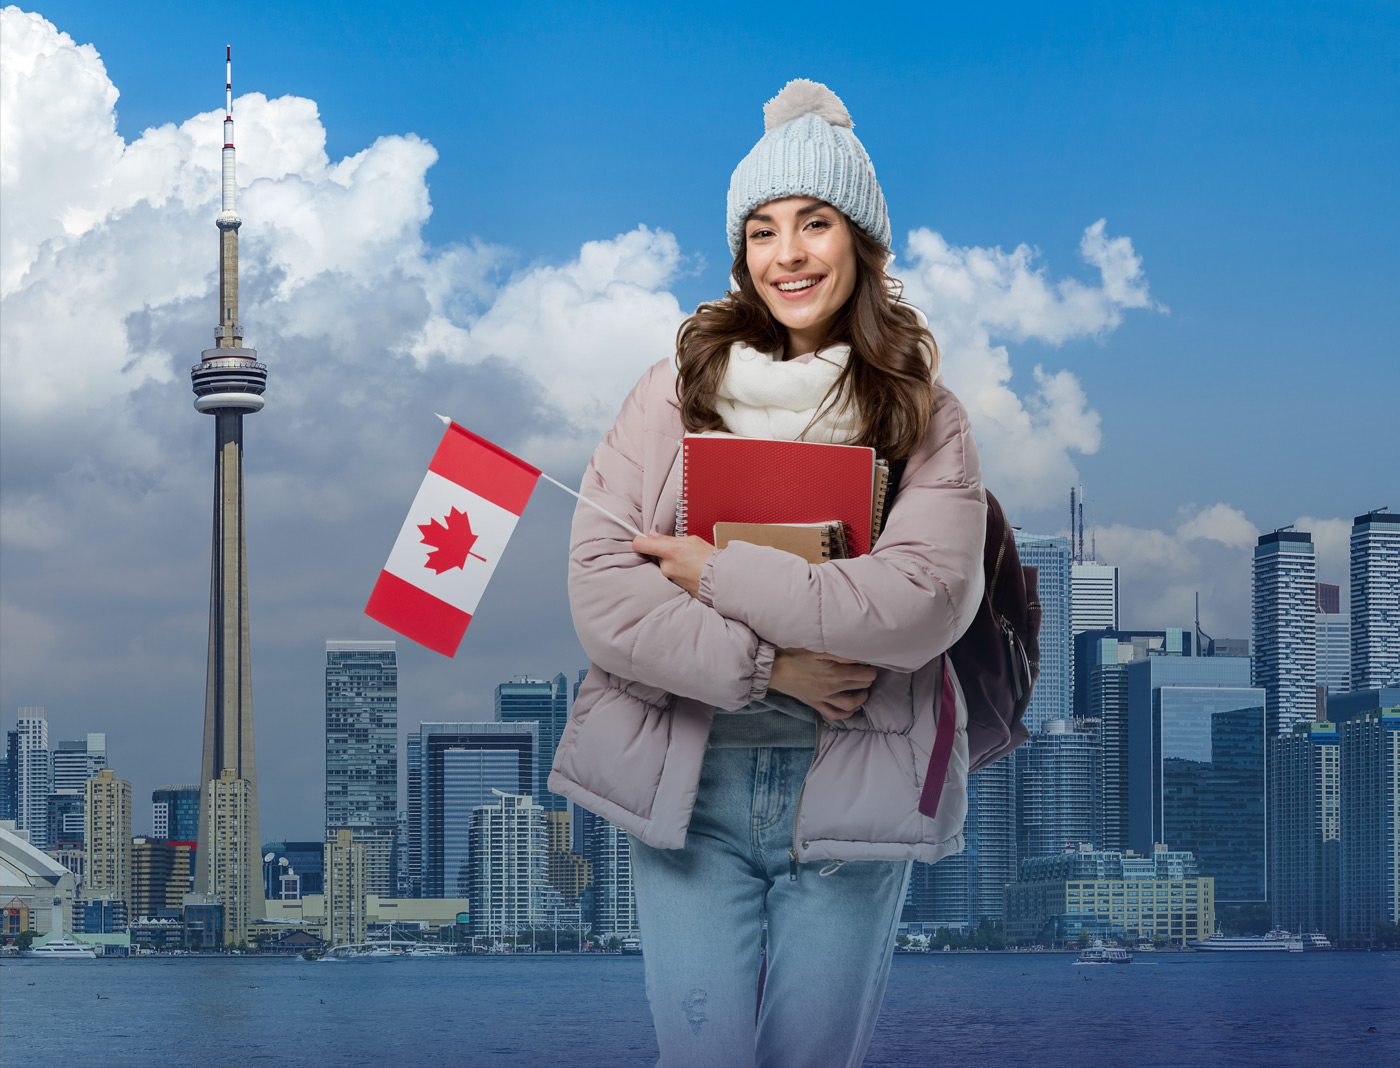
{"type": "Point", "coordinates": [1241, 376]}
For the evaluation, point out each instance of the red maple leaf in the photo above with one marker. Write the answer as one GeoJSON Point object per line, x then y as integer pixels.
{"type": "Point", "coordinates": [452, 542]}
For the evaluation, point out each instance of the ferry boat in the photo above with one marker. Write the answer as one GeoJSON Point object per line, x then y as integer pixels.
{"type": "Point", "coordinates": [1275, 941]}
{"type": "Point", "coordinates": [61, 948]}
{"type": "Point", "coordinates": [1099, 953]}
{"type": "Point", "coordinates": [631, 946]}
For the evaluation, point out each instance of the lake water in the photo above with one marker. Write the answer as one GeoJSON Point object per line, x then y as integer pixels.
{"type": "Point", "coordinates": [1165, 1010]}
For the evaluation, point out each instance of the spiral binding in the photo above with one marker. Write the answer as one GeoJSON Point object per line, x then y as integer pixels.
{"type": "Point", "coordinates": [681, 493]}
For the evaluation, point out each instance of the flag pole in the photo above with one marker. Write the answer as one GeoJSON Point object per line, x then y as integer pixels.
{"type": "Point", "coordinates": [592, 504]}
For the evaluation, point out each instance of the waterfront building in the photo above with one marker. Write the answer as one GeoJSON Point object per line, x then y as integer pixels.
{"type": "Point", "coordinates": [1304, 828]}
{"type": "Point", "coordinates": [461, 764]}
{"type": "Point", "coordinates": [9, 777]}
{"type": "Point", "coordinates": [569, 873]}
{"type": "Point", "coordinates": [1284, 627]}
{"type": "Point", "coordinates": [205, 922]}
{"type": "Point", "coordinates": [611, 897]}
{"type": "Point", "coordinates": [1052, 697]}
{"type": "Point", "coordinates": [228, 383]}
{"type": "Point", "coordinates": [34, 881]}
{"type": "Point", "coordinates": [34, 774]}
{"type": "Point", "coordinates": [1196, 733]}
{"type": "Point", "coordinates": [107, 838]}
{"type": "Point", "coordinates": [1375, 600]}
{"type": "Point", "coordinates": [305, 859]}
{"type": "Point", "coordinates": [1101, 696]}
{"type": "Point", "coordinates": [160, 876]}
{"type": "Point", "coordinates": [1370, 824]}
{"type": "Point", "coordinates": [362, 751]}
{"type": "Point", "coordinates": [102, 915]}
{"type": "Point", "coordinates": [510, 889]}
{"type": "Point", "coordinates": [223, 855]}
{"type": "Point", "coordinates": [1057, 792]}
{"type": "Point", "coordinates": [345, 888]}
{"type": "Point", "coordinates": [525, 700]}
{"type": "Point", "coordinates": [1083, 893]}
{"type": "Point", "coordinates": [175, 813]}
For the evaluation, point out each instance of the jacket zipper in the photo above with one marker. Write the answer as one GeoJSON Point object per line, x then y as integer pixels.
{"type": "Point", "coordinates": [797, 811]}
{"type": "Point", "coordinates": [996, 570]}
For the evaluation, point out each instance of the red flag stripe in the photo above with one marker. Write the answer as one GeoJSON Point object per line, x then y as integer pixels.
{"type": "Point", "coordinates": [485, 469]}
{"type": "Point", "coordinates": [403, 607]}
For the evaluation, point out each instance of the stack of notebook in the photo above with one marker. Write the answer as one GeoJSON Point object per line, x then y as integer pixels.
{"type": "Point", "coordinates": [822, 502]}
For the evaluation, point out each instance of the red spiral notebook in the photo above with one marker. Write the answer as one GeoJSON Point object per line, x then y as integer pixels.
{"type": "Point", "coordinates": [726, 479]}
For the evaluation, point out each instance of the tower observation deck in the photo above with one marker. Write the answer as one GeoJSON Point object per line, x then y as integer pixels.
{"type": "Point", "coordinates": [228, 384]}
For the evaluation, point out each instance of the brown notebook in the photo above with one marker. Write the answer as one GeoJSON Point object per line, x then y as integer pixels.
{"type": "Point", "coordinates": [814, 542]}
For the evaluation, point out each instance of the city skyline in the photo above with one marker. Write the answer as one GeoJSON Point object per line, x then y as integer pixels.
{"type": "Point", "coordinates": [100, 519]}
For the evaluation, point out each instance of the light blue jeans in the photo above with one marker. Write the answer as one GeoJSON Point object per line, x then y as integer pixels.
{"type": "Point", "coordinates": [701, 909]}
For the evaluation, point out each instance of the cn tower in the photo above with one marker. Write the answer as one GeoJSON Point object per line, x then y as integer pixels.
{"type": "Point", "coordinates": [228, 384]}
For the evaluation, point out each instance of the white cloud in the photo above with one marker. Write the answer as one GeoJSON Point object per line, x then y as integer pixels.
{"type": "Point", "coordinates": [977, 296]}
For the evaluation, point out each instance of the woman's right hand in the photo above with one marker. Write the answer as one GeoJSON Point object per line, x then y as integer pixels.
{"type": "Point", "coordinates": [834, 686]}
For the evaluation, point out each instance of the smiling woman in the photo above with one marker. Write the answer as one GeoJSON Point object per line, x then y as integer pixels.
{"type": "Point", "coordinates": [757, 723]}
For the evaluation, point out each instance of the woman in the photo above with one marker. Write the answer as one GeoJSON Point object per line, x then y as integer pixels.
{"type": "Point", "coordinates": [760, 725]}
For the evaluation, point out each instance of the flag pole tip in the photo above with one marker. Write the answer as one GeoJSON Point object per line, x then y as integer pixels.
{"type": "Point", "coordinates": [443, 418]}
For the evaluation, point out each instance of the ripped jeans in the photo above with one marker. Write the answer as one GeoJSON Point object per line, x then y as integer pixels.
{"type": "Point", "coordinates": [701, 910]}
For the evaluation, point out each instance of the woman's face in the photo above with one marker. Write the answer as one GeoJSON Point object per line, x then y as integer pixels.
{"type": "Point", "coordinates": [802, 260]}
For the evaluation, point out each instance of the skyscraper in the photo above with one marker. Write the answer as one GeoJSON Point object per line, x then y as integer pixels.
{"type": "Point", "coordinates": [509, 884]}
{"type": "Point", "coordinates": [1370, 824]}
{"type": "Point", "coordinates": [9, 778]}
{"type": "Point", "coordinates": [1304, 827]}
{"type": "Point", "coordinates": [107, 837]}
{"type": "Point", "coordinates": [222, 854]}
{"type": "Point", "coordinates": [175, 813]}
{"type": "Point", "coordinates": [228, 383]}
{"type": "Point", "coordinates": [345, 888]}
{"type": "Point", "coordinates": [1093, 596]}
{"type": "Point", "coordinates": [1285, 631]}
{"type": "Point", "coordinates": [1053, 694]}
{"type": "Point", "coordinates": [75, 762]}
{"type": "Point", "coordinates": [1375, 600]}
{"type": "Point", "coordinates": [35, 773]}
{"type": "Point", "coordinates": [611, 897]}
{"type": "Point", "coordinates": [362, 751]}
{"type": "Point", "coordinates": [461, 764]}
{"type": "Point", "coordinates": [1196, 767]}
{"type": "Point", "coordinates": [1057, 802]}
{"type": "Point", "coordinates": [1333, 640]}
{"type": "Point", "coordinates": [523, 700]}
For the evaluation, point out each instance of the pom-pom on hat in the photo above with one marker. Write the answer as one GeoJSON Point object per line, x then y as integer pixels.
{"type": "Point", "coordinates": [808, 149]}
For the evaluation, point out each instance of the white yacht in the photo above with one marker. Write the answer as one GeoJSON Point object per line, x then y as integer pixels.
{"type": "Point", "coordinates": [1275, 941]}
{"type": "Point", "coordinates": [61, 947]}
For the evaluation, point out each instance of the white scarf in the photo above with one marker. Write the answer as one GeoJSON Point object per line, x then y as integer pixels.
{"type": "Point", "coordinates": [764, 396]}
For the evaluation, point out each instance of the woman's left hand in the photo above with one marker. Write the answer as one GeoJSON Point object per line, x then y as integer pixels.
{"type": "Point", "coordinates": [681, 559]}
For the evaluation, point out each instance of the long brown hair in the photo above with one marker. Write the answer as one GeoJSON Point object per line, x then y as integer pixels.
{"type": "Point", "coordinates": [888, 377]}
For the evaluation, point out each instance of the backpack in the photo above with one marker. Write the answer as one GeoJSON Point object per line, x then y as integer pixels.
{"type": "Point", "coordinates": [997, 659]}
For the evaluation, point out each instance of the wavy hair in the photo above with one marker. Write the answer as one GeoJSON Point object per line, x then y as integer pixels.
{"type": "Point", "coordinates": [888, 377]}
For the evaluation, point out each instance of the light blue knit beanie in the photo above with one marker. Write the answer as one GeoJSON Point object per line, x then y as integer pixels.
{"type": "Point", "coordinates": [808, 150]}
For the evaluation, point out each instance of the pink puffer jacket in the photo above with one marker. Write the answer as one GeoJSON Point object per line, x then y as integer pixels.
{"type": "Point", "coordinates": [663, 661]}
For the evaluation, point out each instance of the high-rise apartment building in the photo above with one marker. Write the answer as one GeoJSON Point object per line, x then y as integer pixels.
{"type": "Point", "coordinates": [524, 700]}
{"type": "Point", "coordinates": [411, 871]}
{"type": "Point", "coordinates": [9, 778]}
{"type": "Point", "coordinates": [160, 876]}
{"type": "Point", "coordinates": [1057, 796]}
{"type": "Point", "coordinates": [1053, 694]}
{"type": "Point", "coordinates": [1304, 828]}
{"type": "Point", "coordinates": [1285, 630]}
{"type": "Point", "coordinates": [1370, 824]}
{"type": "Point", "coordinates": [223, 854]}
{"type": "Point", "coordinates": [1375, 600]}
{"type": "Point", "coordinates": [175, 813]}
{"type": "Point", "coordinates": [345, 888]}
{"type": "Point", "coordinates": [461, 764]}
{"type": "Point", "coordinates": [611, 897]}
{"type": "Point", "coordinates": [107, 837]}
{"type": "Point", "coordinates": [509, 885]}
{"type": "Point", "coordinates": [569, 873]}
{"type": "Point", "coordinates": [362, 751]}
{"type": "Point", "coordinates": [34, 775]}
{"type": "Point", "coordinates": [1196, 767]}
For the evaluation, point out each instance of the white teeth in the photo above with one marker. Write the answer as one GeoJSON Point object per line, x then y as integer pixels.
{"type": "Point", "coordinates": [806, 283]}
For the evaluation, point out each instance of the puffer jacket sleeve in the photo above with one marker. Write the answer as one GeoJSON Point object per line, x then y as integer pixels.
{"type": "Point", "coordinates": [899, 606]}
{"type": "Point", "coordinates": [632, 621]}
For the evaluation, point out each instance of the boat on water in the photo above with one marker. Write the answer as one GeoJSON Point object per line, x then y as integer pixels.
{"type": "Point", "coordinates": [631, 946]}
{"type": "Point", "coordinates": [362, 951]}
{"type": "Point", "coordinates": [1099, 953]}
{"type": "Point", "coordinates": [1275, 941]}
{"type": "Point", "coordinates": [60, 948]}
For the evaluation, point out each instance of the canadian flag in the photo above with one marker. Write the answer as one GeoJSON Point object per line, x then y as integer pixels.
{"type": "Point", "coordinates": [450, 543]}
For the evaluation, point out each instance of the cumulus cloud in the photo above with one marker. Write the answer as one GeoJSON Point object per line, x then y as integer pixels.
{"type": "Point", "coordinates": [107, 282]}
{"type": "Point", "coordinates": [976, 297]}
